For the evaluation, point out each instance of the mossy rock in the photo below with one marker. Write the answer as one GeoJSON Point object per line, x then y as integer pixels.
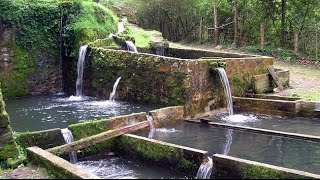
{"type": "Point", "coordinates": [4, 119]}
{"type": "Point", "coordinates": [8, 151]}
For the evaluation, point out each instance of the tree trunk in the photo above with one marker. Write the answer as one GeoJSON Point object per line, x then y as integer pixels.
{"type": "Point", "coordinates": [296, 42]}
{"type": "Point", "coordinates": [283, 22]}
{"type": "Point", "coordinates": [236, 38]}
{"type": "Point", "coordinates": [216, 30]}
{"type": "Point", "coordinates": [200, 30]}
{"type": "Point", "coordinates": [262, 35]}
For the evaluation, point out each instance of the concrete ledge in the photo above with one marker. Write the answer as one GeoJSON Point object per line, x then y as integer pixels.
{"type": "Point", "coordinates": [83, 130]}
{"type": "Point", "coordinates": [168, 115]}
{"type": "Point", "coordinates": [275, 97]}
{"type": "Point", "coordinates": [269, 132]}
{"type": "Point", "coordinates": [92, 140]}
{"type": "Point", "coordinates": [266, 106]}
{"type": "Point", "coordinates": [264, 82]}
{"type": "Point", "coordinates": [59, 167]}
{"type": "Point", "coordinates": [309, 109]}
{"type": "Point", "coordinates": [43, 139]}
{"type": "Point", "coordinates": [236, 168]}
{"type": "Point", "coordinates": [184, 159]}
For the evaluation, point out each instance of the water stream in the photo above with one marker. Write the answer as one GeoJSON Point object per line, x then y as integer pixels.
{"type": "Point", "coordinates": [205, 169]}
{"type": "Point", "coordinates": [79, 84]}
{"type": "Point", "coordinates": [120, 27]}
{"type": "Point", "coordinates": [68, 138]}
{"type": "Point", "coordinates": [113, 93]}
{"type": "Point", "coordinates": [227, 89]}
{"type": "Point", "coordinates": [131, 46]}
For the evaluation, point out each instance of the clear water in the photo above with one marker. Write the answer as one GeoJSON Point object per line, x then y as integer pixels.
{"type": "Point", "coordinates": [285, 152]}
{"type": "Point", "coordinates": [115, 167]}
{"type": "Point", "coordinates": [47, 112]}
{"type": "Point", "coordinates": [277, 123]}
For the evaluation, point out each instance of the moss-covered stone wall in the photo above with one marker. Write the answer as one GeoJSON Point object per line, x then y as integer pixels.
{"type": "Point", "coordinates": [8, 147]}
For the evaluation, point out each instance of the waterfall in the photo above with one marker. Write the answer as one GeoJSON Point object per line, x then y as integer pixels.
{"type": "Point", "coordinates": [152, 129]}
{"type": "Point", "coordinates": [229, 141]}
{"type": "Point", "coordinates": [226, 86]}
{"type": "Point", "coordinates": [113, 93]}
{"type": "Point", "coordinates": [160, 51]}
{"type": "Point", "coordinates": [120, 27]}
{"type": "Point", "coordinates": [131, 46]}
{"type": "Point", "coordinates": [205, 169]}
{"type": "Point", "coordinates": [82, 55]}
{"type": "Point", "coordinates": [68, 138]}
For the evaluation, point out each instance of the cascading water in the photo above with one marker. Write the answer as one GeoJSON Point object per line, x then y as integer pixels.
{"type": "Point", "coordinates": [205, 169]}
{"type": "Point", "coordinates": [82, 55]}
{"type": "Point", "coordinates": [113, 93]}
{"type": "Point", "coordinates": [120, 27]}
{"type": "Point", "coordinates": [131, 46]}
{"type": "Point", "coordinates": [226, 86]}
{"type": "Point", "coordinates": [152, 129]}
{"type": "Point", "coordinates": [229, 141]}
{"type": "Point", "coordinates": [68, 138]}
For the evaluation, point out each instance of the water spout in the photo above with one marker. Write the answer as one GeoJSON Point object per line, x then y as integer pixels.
{"type": "Point", "coordinates": [79, 84]}
{"type": "Point", "coordinates": [229, 141]}
{"type": "Point", "coordinates": [152, 129]}
{"type": "Point", "coordinates": [120, 27]}
{"type": "Point", "coordinates": [131, 46]}
{"type": "Point", "coordinates": [227, 89]}
{"type": "Point", "coordinates": [113, 93]}
{"type": "Point", "coordinates": [68, 138]}
{"type": "Point", "coordinates": [205, 169]}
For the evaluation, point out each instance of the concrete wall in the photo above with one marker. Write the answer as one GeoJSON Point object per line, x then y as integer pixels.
{"type": "Point", "coordinates": [264, 82]}
{"type": "Point", "coordinates": [8, 148]}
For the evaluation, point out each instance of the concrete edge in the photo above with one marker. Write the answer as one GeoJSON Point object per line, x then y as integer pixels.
{"type": "Point", "coordinates": [293, 172]}
{"type": "Point", "coordinates": [58, 166]}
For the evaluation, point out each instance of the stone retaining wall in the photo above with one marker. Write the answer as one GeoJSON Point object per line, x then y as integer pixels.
{"type": "Point", "coordinates": [8, 147]}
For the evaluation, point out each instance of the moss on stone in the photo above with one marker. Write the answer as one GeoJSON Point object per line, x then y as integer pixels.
{"type": "Point", "coordinates": [8, 151]}
{"type": "Point", "coordinates": [43, 139]}
{"type": "Point", "coordinates": [155, 152]}
{"type": "Point", "coordinates": [4, 119]}
{"type": "Point", "coordinates": [258, 172]}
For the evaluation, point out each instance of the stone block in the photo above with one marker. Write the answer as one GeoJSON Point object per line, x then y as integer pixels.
{"type": "Point", "coordinates": [4, 119]}
{"type": "Point", "coordinates": [168, 115]}
{"type": "Point", "coordinates": [6, 136]}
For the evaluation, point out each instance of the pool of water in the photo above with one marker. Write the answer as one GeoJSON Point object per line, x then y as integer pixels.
{"type": "Point", "coordinates": [279, 151]}
{"type": "Point", "coordinates": [59, 111]}
{"type": "Point", "coordinates": [117, 167]}
{"type": "Point", "coordinates": [277, 123]}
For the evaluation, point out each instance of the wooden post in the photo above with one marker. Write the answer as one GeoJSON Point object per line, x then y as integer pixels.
{"type": "Point", "coordinates": [236, 39]}
{"type": "Point", "coordinates": [262, 35]}
{"type": "Point", "coordinates": [296, 42]}
{"type": "Point", "coordinates": [200, 30]}
{"type": "Point", "coordinates": [216, 30]}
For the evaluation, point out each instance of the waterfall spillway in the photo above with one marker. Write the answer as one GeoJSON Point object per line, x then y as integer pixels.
{"type": "Point", "coordinates": [131, 46]}
{"type": "Point", "coordinates": [226, 86]}
{"type": "Point", "coordinates": [160, 51]}
{"type": "Point", "coordinates": [68, 138]}
{"type": "Point", "coordinates": [152, 129]}
{"type": "Point", "coordinates": [120, 27]}
{"type": "Point", "coordinates": [205, 169]}
{"type": "Point", "coordinates": [113, 93]}
{"type": "Point", "coordinates": [82, 55]}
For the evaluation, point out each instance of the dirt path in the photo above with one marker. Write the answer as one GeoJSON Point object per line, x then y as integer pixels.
{"type": "Point", "coordinates": [304, 77]}
{"type": "Point", "coordinates": [29, 172]}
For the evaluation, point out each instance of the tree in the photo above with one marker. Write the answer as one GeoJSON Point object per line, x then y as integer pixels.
{"type": "Point", "coordinates": [236, 37]}
{"type": "Point", "coordinates": [216, 30]}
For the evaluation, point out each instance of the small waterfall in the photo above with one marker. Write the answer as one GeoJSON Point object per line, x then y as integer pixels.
{"type": "Point", "coordinates": [152, 129]}
{"type": "Point", "coordinates": [229, 141]}
{"type": "Point", "coordinates": [160, 51]}
{"type": "Point", "coordinates": [226, 86]}
{"type": "Point", "coordinates": [113, 93]}
{"type": "Point", "coordinates": [68, 138]}
{"type": "Point", "coordinates": [131, 46]}
{"type": "Point", "coordinates": [82, 55]}
{"type": "Point", "coordinates": [120, 27]}
{"type": "Point", "coordinates": [205, 169]}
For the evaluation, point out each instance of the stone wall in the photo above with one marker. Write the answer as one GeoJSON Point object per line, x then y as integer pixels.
{"type": "Point", "coordinates": [34, 77]}
{"type": "Point", "coordinates": [8, 148]}
{"type": "Point", "coordinates": [152, 79]}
